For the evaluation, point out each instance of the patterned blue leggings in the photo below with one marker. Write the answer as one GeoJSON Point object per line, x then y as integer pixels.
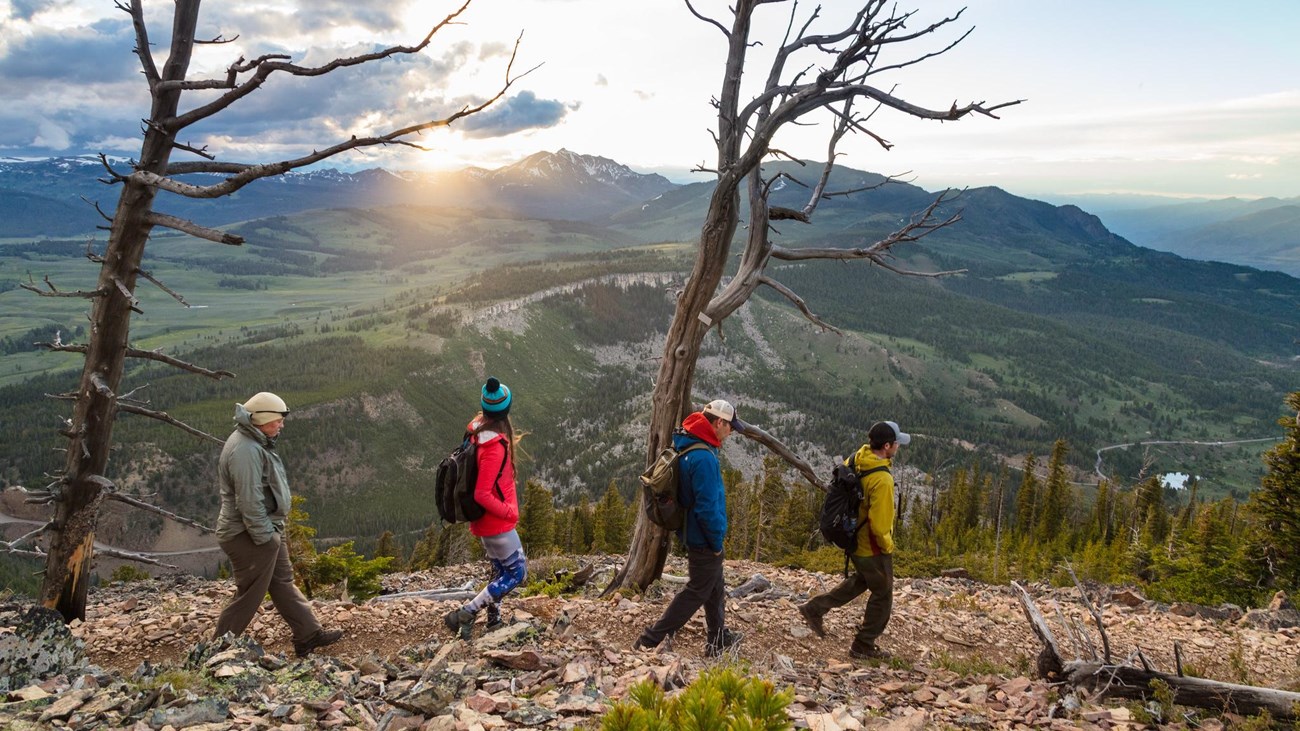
{"type": "Point", "coordinates": [508, 571]}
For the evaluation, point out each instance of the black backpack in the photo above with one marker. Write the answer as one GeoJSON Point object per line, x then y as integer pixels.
{"type": "Point", "coordinates": [453, 486]}
{"type": "Point", "coordinates": [839, 516]}
{"type": "Point", "coordinates": [661, 488]}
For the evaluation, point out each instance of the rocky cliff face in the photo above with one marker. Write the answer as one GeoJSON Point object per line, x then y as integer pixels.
{"type": "Point", "coordinates": [962, 657]}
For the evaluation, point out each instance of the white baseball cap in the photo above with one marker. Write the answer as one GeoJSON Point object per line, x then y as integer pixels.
{"type": "Point", "coordinates": [725, 411]}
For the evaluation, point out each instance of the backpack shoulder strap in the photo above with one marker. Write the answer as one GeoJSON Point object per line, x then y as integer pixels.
{"type": "Point", "coordinates": [873, 470]}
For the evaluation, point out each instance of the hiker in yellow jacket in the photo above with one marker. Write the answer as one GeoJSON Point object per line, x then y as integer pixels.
{"type": "Point", "coordinates": [873, 561]}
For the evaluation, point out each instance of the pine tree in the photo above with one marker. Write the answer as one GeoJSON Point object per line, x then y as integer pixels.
{"type": "Point", "coordinates": [1057, 499]}
{"type": "Point", "coordinates": [771, 495]}
{"type": "Point", "coordinates": [537, 520]}
{"type": "Point", "coordinates": [1027, 499]}
{"type": "Point", "coordinates": [609, 522]}
{"type": "Point", "coordinates": [387, 547]}
{"type": "Point", "coordinates": [1275, 509]}
{"type": "Point", "coordinates": [798, 520]}
{"type": "Point", "coordinates": [302, 554]}
{"type": "Point", "coordinates": [424, 555]}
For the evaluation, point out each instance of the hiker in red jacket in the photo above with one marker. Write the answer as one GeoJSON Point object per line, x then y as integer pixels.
{"type": "Point", "coordinates": [494, 489]}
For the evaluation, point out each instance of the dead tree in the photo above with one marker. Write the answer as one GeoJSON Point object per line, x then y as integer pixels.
{"type": "Point", "coordinates": [80, 489]}
{"type": "Point", "coordinates": [1105, 678]}
{"type": "Point", "coordinates": [811, 75]}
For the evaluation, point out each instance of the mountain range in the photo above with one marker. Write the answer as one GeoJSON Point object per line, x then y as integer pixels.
{"type": "Point", "coordinates": [49, 197]}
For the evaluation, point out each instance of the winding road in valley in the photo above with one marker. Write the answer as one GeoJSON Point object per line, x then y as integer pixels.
{"type": "Point", "coordinates": [1197, 442]}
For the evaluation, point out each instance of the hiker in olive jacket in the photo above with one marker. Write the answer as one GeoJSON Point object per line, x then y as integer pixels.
{"type": "Point", "coordinates": [873, 560]}
{"type": "Point", "coordinates": [255, 503]}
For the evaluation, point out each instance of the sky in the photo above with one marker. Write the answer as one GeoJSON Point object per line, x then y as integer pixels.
{"type": "Point", "coordinates": [1181, 98]}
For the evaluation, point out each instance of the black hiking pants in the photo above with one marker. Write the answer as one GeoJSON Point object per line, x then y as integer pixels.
{"type": "Point", "coordinates": [704, 588]}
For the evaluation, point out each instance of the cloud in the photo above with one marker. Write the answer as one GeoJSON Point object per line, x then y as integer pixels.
{"type": "Point", "coordinates": [88, 54]}
{"type": "Point", "coordinates": [28, 9]}
{"type": "Point", "coordinates": [520, 112]}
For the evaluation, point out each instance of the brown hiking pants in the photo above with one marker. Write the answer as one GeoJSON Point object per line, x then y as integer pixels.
{"type": "Point", "coordinates": [871, 573]}
{"type": "Point", "coordinates": [258, 570]}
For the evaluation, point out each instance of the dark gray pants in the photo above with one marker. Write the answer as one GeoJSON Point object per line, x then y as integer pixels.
{"type": "Point", "coordinates": [704, 588]}
{"type": "Point", "coordinates": [258, 570]}
{"type": "Point", "coordinates": [871, 573]}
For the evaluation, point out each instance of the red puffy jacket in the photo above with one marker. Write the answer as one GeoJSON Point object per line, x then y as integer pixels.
{"type": "Point", "coordinates": [501, 508]}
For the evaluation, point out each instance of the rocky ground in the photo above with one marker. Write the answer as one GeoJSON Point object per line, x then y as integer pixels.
{"type": "Point", "coordinates": [963, 657]}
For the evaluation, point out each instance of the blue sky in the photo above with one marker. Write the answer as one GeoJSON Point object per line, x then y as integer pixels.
{"type": "Point", "coordinates": [1171, 98]}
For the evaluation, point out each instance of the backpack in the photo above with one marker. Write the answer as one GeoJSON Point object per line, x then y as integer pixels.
{"type": "Point", "coordinates": [839, 516]}
{"type": "Point", "coordinates": [660, 488]}
{"type": "Point", "coordinates": [453, 485]}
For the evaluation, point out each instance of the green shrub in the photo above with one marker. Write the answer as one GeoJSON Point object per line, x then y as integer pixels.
{"type": "Point", "coordinates": [721, 698]}
{"type": "Point", "coordinates": [127, 572]}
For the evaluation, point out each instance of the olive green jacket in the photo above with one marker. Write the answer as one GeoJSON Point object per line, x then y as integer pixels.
{"type": "Point", "coordinates": [254, 488]}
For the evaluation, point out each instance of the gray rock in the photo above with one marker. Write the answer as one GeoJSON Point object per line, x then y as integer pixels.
{"type": "Point", "coordinates": [40, 647]}
{"type": "Point", "coordinates": [531, 716]}
{"type": "Point", "coordinates": [210, 710]}
{"type": "Point", "coordinates": [435, 696]}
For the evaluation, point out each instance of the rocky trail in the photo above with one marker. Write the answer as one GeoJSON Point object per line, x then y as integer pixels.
{"type": "Point", "coordinates": [963, 657]}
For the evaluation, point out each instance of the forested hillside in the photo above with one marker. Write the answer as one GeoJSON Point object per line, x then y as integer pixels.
{"type": "Point", "coordinates": [378, 325]}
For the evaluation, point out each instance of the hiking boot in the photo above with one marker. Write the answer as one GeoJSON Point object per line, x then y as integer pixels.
{"type": "Point", "coordinates": [460, 622]}
{"type": "Point", "coordinates": [493, 618]}
{"type": "Point", "coordinates": [644, 644]}
{"type": "Point", "coordinates": [812, 619]}
{"type": "Point", "coordinates": [726, 640]}
{"type": "Point", "coordinates": [868, 652]}
{"type": "Point", "coordinates": [320, 639]}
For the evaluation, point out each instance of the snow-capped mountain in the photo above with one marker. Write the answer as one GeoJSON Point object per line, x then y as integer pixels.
{"type": "Point", "coordinates": [48, 196]}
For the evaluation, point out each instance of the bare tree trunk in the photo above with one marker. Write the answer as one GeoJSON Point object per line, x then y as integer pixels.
{"type": "Point", "coordinates": [68, 568]}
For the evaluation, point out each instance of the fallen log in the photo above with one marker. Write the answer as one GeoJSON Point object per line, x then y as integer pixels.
{"type": "Point", "coordinates": [1110, 680]}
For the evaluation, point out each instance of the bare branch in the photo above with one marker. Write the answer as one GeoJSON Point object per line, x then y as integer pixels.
{"type": "Point", "coordinates": [799, 302]}
{"type": "Point", "coordinates": [250, 173]}
{"type": "Point", "coordinates": [145, 355]}
{"type": "Point", "coordinates": [102, 215]}
{"type": "Point", "coordinates": [149, 276]}
{"type": "Point", "coordinates": [30, 286]}
{"type": "Point", "coordinates": [1096, 615]}
{"type": "Point", "coordinates": [216, 41]}
{"type": "Point", "coordinates": [136, 12]}
{"type": "Point", "coordinates": [193, 229]}
{"type": "Point", "coordinates": [921, 225]}
{"type": "Point", "coordinates": [115, 176]}
{"type": "Point", "coordinates": [15, 543]}
{"type": "Point", "coordinates": [155, 509]}
{"type": "Point", "coordinates": [167, 419]}
{"type": "Point", "coordinates": [779, 448]}
{"type": "Point", "coordinates": [707, 19]}
{"type": "Point", "coordinates": [97, 380]}
{"type": "Point", "coordinates": [200, 151]}
{"type": "Point", "coordinates": [267, 65]}
{"type": "Point", "coordinates": [195, 166]}
{"type": "Point", "coordinates": [130, 297]}
{"type": "Point", "coordinates": [129, 556]}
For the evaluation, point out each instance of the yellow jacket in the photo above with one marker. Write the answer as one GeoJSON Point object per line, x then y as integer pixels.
{"type": "Point", "coordinates": [877, 510]}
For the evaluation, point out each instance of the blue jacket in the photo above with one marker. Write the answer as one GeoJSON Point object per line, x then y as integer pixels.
{"type": "Point", "coordinates": [701, 487]}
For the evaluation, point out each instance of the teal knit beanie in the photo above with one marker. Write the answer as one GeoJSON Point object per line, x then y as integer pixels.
{"type": "Point", "coordinates": [495, 399]}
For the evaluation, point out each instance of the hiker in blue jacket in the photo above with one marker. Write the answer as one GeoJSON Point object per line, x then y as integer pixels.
{"type": "Point", "coordinates": [705, 529]}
